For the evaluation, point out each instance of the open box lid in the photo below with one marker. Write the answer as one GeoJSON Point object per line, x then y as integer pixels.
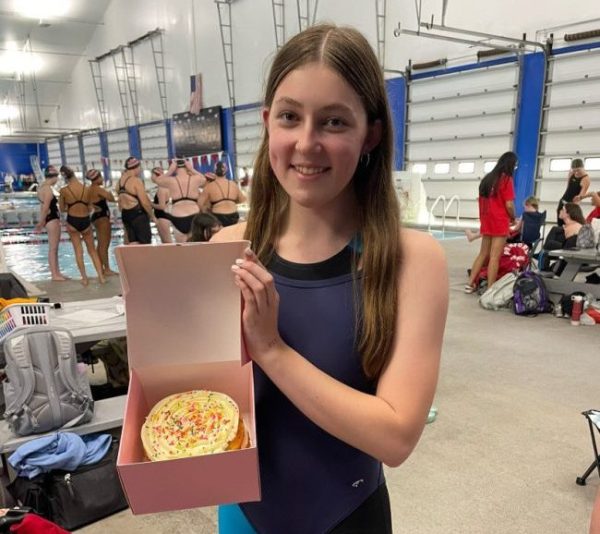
{"type": "Point", "coordinates": [182, 305]}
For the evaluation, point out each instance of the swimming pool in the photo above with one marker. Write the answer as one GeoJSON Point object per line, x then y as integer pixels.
{"type": "Point", "coordinates": [30, 260]}
{"type": "Point", "coordinates": [27, 254]}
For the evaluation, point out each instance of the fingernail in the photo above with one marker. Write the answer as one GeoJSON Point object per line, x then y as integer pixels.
{"type": "Point", "coordinates": [239, 262]}
{"type": "Point", "coordinates": [235, 268]}
{"type": "Point", "coordinates": [249, 252]}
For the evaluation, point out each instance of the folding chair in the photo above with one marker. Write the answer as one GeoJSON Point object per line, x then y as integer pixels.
{"type": "Point", "coordinates": [533, 232]}
{"type": "Point", "coordinates": [593, 418]}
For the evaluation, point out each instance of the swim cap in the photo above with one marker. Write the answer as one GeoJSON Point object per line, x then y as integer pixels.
{"type": "Point", "coordinates": [131, 163]}
{"type": "Point", "coordinates": [92, 174]}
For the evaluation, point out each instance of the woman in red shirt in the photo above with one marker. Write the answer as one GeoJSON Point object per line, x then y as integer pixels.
{"type": "Point", "coordinates": [496, 213]}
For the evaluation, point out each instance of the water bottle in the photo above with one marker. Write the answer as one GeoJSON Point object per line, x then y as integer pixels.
{"type": "Point", "coordinates": [577, 309]}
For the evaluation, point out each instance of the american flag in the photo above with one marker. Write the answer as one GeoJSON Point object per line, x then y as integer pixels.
{"type": "Point", "coordinates": [196, 94]}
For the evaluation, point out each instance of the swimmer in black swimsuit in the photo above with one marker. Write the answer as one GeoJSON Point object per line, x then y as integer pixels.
{"type": "Point", "coordinates": [99, 198]}
{"type": "Point", "coordinates": [136, 218]}
{"type": "Point", "coordinates": [181, 216]}
{"type": "Point", "coordinates": [75, 200]}
{"type": "Point", "coordinates": [50, 220]}
{"type": "Point", "coordinates": [163, 219]}
{"type": "Point", "coordinates": [220, 189]}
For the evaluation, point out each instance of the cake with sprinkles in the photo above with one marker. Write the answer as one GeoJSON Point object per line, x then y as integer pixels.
{"type": "Point", "coordinates": [193, 423]}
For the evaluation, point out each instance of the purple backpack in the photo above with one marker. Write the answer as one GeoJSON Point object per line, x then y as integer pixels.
{"type": "Point", "coordinates": [530, 296]}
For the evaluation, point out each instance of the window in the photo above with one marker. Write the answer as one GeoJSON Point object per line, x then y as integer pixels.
{"type": "Point", "coordinates": [592, 164]}
{"type": "Point", "coordinates": [488, 166]}
{"type": "Point", "coordinates": [466, 167]}
{"type": "Point", "coordinates": [441, 168]}
{"type": "Point", "coordinates": [560, 164]}
{"type": "Point", "coordinates": [419, 168]}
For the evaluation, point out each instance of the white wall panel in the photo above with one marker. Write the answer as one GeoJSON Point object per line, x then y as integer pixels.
{"type": "Point", "coordinates": [118, 150]}
{"type": "Point", "coordinates": [466, 116]}
{"type": "Point", "coordinates": [487, 125]}
{"type": "Point", "coordinates": [91, 151]}
{"type": "Point", "coordinates": [72, 155]}
{"type": "Point", "coordinates": [459, 149]}
{"type": "Point", "coordinates": [54, 155]}
{"type": "Point", "coordinates": [248, 132]}
{"type": "Point", "coordinates": [153, 141]}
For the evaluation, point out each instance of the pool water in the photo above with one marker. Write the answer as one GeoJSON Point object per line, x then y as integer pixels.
{"type": "Point", "coordinates": [31, 260]}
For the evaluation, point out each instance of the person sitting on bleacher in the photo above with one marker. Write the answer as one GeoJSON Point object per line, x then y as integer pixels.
{"type": "Point", "coordinates": [563, 237]}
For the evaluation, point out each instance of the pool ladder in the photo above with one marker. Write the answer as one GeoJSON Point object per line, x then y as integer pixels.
{"type": "Point", "coordinates": [447, 204]}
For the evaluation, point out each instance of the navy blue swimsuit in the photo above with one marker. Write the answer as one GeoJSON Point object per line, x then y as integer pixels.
{"type": "Point", "coordinates": [311, 481]}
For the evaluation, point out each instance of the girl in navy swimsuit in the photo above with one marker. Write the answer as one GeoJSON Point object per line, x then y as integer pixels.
{"type": "Point", "coordinates": [75, 200]}
{"type": "Point", "coordinates": [50, 220]}
{"type": "Point", "coordinates": [99, 198]}
{"type": "Point", "coordinates": [346, 353]}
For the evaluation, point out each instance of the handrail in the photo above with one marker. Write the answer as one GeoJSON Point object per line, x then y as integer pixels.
{"type": "Point", "coordinates": [447, 208]}
{"type": "Point", "coordinates": [437, 200]}
{"type": "Point", "coordinates": [446, 205]}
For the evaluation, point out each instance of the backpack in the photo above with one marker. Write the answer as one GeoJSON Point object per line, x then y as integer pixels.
{"type": "Point", "coordinates": [586, 237]}
{"type": "Point", "coordinates": [530, 295]}
{"type": "Point", "coordinates": [499, 295]}
{"type": "Point", "coordinates": [43, 390]}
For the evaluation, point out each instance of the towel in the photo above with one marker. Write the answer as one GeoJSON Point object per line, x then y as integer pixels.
{"type": "Point", "coordinates": [61, 450]}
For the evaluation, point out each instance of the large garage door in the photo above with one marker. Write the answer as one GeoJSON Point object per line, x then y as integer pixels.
{"type": "Point", "coordinates": [248, 132]}
{"type": "Point", "coordinates": [457, 126]}
{"type": "Point", "coordinates": [570, 124]}
{"type": "Point", "coordinates": [91, 151]}
{"type": "Point", "coordinates": [118, 151]}
{"type": "Point", "coordinates": [72, 154]}
{"type": "Point", "coordinates": [153, 140]}
{"type": "Point", "coordinates": [54, 155]}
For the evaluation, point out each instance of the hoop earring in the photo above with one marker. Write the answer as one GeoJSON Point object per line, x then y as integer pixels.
{"type": "Point", "coordinates": [365, 159]}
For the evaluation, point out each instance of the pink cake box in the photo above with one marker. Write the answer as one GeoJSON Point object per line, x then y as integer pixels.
{"type": "Point", "coordinates": [183, 314]}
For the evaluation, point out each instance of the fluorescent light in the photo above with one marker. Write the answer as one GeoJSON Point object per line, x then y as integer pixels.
{"type": "Point", "coordinates": [41, 9]}
{"type": "Point", "coordinates": [8, 112]}
{"type": "Point", "coordinates": [419, 168]}
{"type": "Point", "coordinates": [15, 61]}
{"type": "Point", "coordinates": [441, 168]}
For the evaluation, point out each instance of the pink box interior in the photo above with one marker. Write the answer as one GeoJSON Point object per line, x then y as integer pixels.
{"type": "Point", "coordinates": [183, 333]}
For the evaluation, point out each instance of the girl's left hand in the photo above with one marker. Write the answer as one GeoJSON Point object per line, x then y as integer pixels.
{"type": "Point", "coordinates": [261, 306]}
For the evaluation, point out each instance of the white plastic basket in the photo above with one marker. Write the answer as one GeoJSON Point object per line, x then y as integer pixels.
{"type": "Point", "coordinates": [25, 314]}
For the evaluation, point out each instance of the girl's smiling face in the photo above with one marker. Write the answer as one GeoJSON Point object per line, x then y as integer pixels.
{"type": "Point", "coordinates": [318, 130]}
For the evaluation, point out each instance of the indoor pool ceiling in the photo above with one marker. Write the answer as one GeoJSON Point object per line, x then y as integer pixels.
{"type": "Point", "coordinates": [39, 49]}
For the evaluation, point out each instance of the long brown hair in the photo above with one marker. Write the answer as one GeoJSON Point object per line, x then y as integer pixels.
{"type": "Point", "coordinates": [574, 212]}
{"type": "Point", "coordinates": [348, 53]}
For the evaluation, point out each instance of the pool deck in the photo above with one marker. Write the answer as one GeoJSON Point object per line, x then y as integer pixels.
{"type": "Point", "coordinates": [73, 290]}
